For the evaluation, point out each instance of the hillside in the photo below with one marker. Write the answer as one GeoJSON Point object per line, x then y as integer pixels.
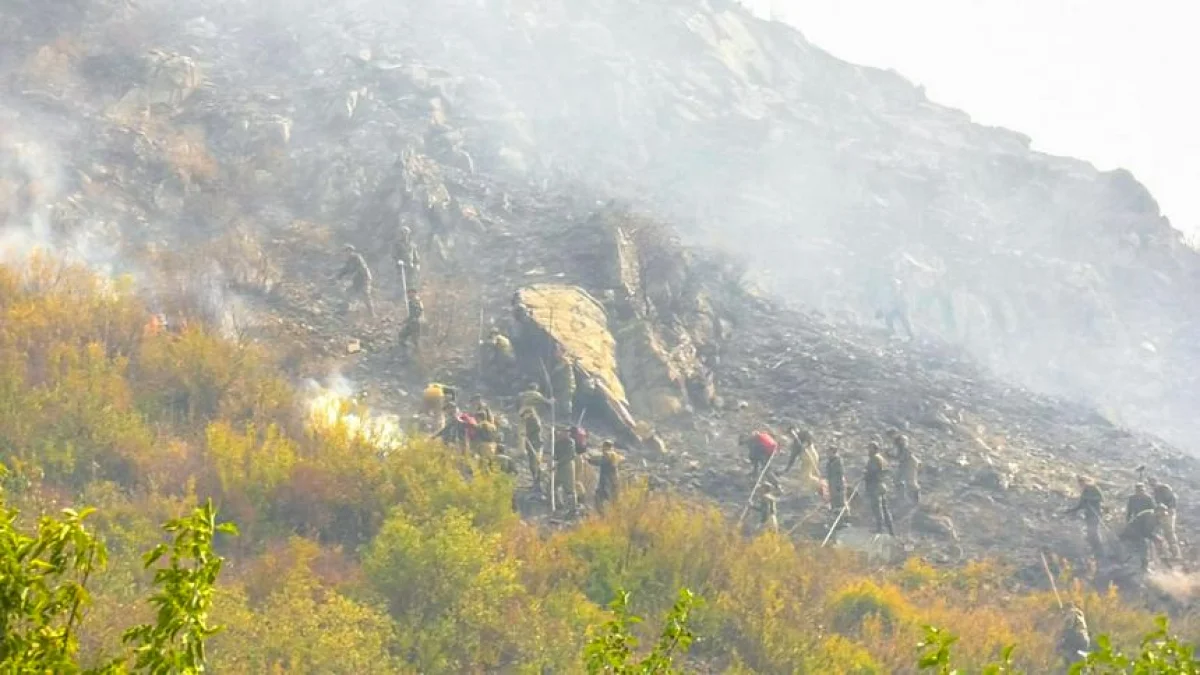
{"type": "Point", "coordinates": [223, 152]}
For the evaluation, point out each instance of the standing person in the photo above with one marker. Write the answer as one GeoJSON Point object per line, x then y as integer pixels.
{"type": "Point", "coordinates": [1090, 502]}
{"type": "Point", "coordinates": [531, 427]}
{"type": "Point", "coordinates": [408, 260]}
{"type": "Point", "coordinates": [1164, 496]}
{"type": "Point", "coordinates": [875, 486]}
{"type": "Point", "coordinates": [609, 486]}
{"type": "Point", "coordinates": [410, 333]}
{"type": "Point", "coordinates": [835, 477]}
{"type": "Point", "coordinates": [356, 269]}
{"type": "Point", "coordinates": [1074, 641]}
{"type": "Point", "coordinates": [531, 398]}
{"type": "Point", "coordinates": [768, 506]}
{"type": "Point", "coordinates": [564, 468]}
{"type": "Point", "coordinates": [907, 465]}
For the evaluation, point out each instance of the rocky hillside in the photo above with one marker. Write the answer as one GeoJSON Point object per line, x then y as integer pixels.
{"type": "Point", "coordinates": [222, 151]}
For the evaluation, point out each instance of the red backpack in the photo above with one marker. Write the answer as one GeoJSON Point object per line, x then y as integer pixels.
{"type": "Point", "coordinates": [470, 424]}
{"type": "Point", "coordinates": [766, 443]}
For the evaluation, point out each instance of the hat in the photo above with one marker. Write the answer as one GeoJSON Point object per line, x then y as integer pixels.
{"type": "Point", "coordinates": [873, 446]}
{"type": "Point", "coordinates": [606, 444]}
{"type": "Point", "coordinates": [349, 247]}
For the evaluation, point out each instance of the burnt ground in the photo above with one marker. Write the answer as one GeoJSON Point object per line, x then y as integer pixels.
{"type": "Point", "coordinates": [998, 462]}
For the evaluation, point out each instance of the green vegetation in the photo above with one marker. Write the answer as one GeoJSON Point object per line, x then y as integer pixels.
{"type": "Point", "coordinates": [355, 561]}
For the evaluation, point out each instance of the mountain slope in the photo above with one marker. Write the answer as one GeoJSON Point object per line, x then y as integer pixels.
{"type": "Point", "coordinates": [232, 161]}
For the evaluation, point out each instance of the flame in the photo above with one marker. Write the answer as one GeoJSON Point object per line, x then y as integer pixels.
{"type": "Point", "coordinates": [333, 410]}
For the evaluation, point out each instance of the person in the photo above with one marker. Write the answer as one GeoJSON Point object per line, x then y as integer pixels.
{"type": "Point", "coordinates": [408, 260]}
{"type": "Point", "coordinates": [564, 471]}
{"type": "Point", "coordinates": [434, 400]}
{"type": "Point", "coordinates": [1074, 641]}
{"type": "Point", "coordinates": [1164, 496]}
{"type": "Point", "coordinates": [562, 377]}
{"type": "Point", "coordinates": [531, 427]}
{"type": "Point", "coordinates": [356, 269]}
{"type": "Point", "coordinates": [1141, 532]}
{"type": "Point", "coordinates": [1090, 502]}
{"type": "Point", "coordinates": [894, 308]}
{"type": "Point", "coordinates": [410, 331]}
{"type": "Point", "coordinates": [875, 487]}
{"type": "Point", "coordinates": [498, 352]}
{"type": "Point", "coordinates": [768, 506]}
{"type": "Point", "coordinates": [835, 477]}
{"type": "Point", "coordinates": [531, 398]}
{"type": "Point", "coordinates": [907, 465]}
{"type": "Point", "coordinates": [459, 427]}
{"type": "Point", "coordinates": [761, 446]}
{"type": "Point", "coordinates": [1138, 502]}
{"type": "Point", "coordinates": [803, 447]}
{"type": "Point", "coordinates": [482, 412]}
{"type": "Point", "coordinates": [608, 486]}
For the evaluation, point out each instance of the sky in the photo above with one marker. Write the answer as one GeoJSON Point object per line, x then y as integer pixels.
{"type": "Point", "coordinates": [1109, 82]}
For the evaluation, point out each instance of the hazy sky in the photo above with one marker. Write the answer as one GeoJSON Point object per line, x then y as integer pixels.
{"type": "Point", "coordinates": [1110, 82]}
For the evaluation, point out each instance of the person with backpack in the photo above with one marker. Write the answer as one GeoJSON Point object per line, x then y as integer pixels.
{"type": "Point", "coordinates": [460, 428]}
{"type": "Point", "coordinates": [761, 446]}
{"type": "Point", "coordinates": [1165, 496]}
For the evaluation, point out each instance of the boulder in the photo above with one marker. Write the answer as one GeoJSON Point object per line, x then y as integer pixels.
{"type": "Point", "coordinates": [571, 318]}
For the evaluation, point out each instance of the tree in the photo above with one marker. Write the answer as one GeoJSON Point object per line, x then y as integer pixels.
{"type": "Point", "coordinates": [612, 649]}
{"type": "Point", "coordinates": [43, 590]}
{"type": "Point", "coordinates": [175, 642]}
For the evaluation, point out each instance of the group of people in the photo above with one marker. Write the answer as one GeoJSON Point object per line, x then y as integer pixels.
{"type": "Point", "coordinates": [1149, 526]}
{"type": "Point", "coordinates": [485, 433]}
{"type": "Point", "coordinates": [762, 447]}
{"type": "Point", "coordinates": [408, 267]}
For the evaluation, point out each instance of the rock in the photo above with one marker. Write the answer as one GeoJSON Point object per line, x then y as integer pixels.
{"type": "Point", "coordinates": [991, 478]}
{"type": "Point", "coordinates": [924, 520]}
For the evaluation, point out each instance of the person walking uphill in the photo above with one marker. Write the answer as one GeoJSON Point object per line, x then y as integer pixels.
{"type": "Point", "coordinates": [1164, 496]}
{"type": "Point", "coordinates": [1090, 502]}
{"type": "Point", "coordinates": [356, 269]}
{"type": "Point", "coordinates": [875, 486]}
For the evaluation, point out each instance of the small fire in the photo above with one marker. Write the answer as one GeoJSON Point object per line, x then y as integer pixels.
{"type": "Point", "coordinates": [333, 410]}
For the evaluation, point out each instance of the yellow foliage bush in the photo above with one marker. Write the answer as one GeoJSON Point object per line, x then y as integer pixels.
{"type": "Point", "coordinates": [852, 606]}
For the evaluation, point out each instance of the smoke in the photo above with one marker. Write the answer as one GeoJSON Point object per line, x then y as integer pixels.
{"type": "Point", "coordinates": [333, 409]}
{"type": "Point", "coordinates": [1182, 587]}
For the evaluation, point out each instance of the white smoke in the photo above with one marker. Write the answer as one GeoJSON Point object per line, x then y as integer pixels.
{"type": "Point", "coordinates": [332, 408]}
{"type": "Point", "coordinates": [1182, 587]}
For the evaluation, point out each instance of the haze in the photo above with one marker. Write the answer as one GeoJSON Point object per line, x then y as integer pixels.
{"type": "Point", "coordinates": [1083, 79]}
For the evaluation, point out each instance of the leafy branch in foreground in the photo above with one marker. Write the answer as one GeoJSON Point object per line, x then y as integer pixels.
{"type": "Point", "coordinates": [175, 642]}
{"type": "Point", "coordinates": [1161, 654]}
{"type": "Point", "coordinates": [612, 650]}
{"type": "Point", "coordinates": [43, 590]}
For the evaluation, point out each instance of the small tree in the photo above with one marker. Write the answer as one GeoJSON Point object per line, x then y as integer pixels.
{"type": "Point", "coordinates": [43, 590]}
{"type": "Point", "coordinates": [175, 642]}
{"type": "Point", "coordinates": [612, 649]}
